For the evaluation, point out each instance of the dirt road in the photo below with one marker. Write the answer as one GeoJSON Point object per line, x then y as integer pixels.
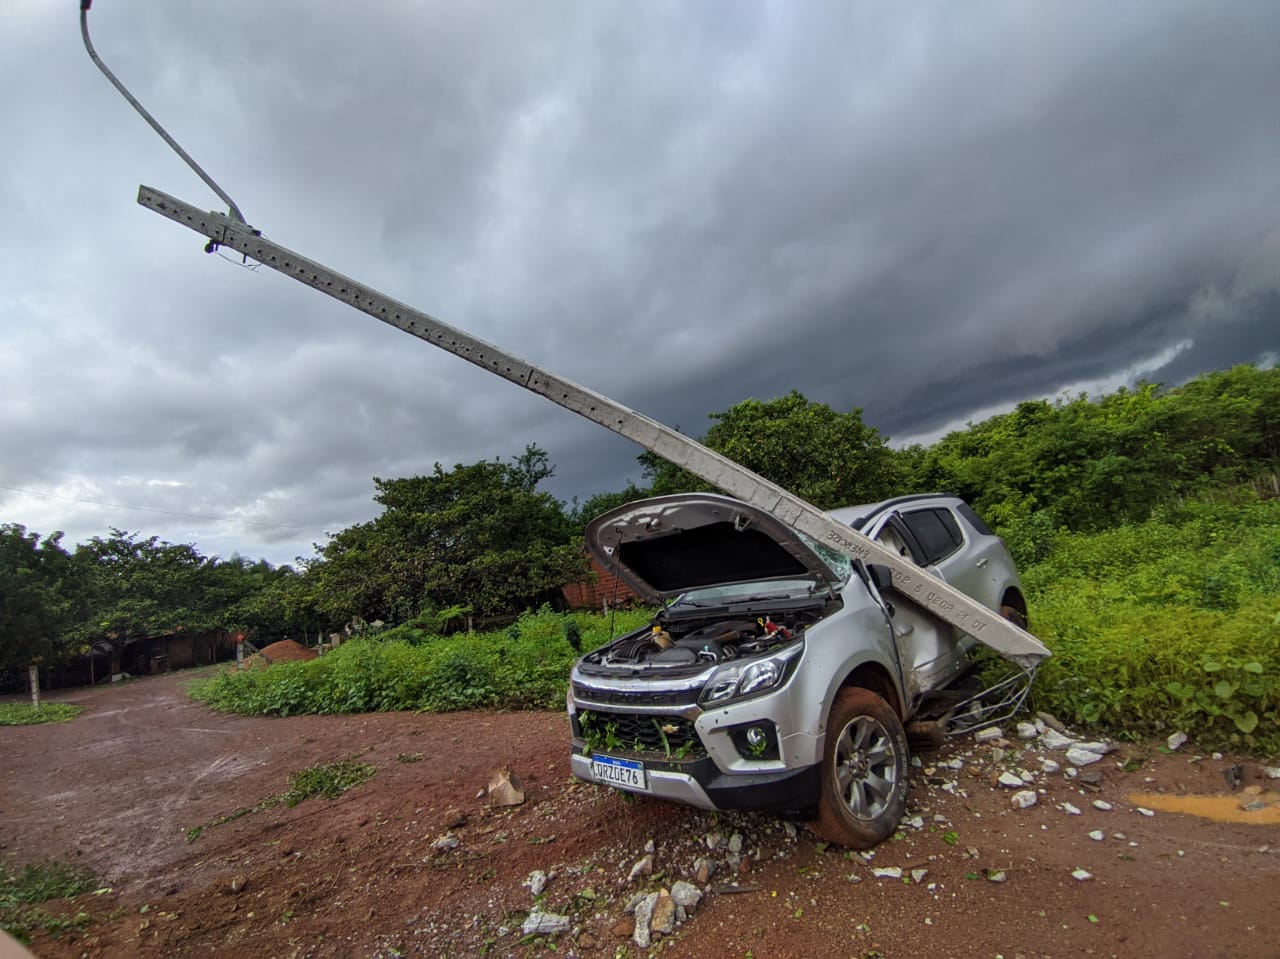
{"type": "Point", "coordinates": [414, 862]}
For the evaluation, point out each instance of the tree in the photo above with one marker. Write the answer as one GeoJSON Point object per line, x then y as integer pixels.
{"type": "Point", "coordinates": [39, 592]}
{"type": "Point", "coordinates": [825, 457]}
{"type": "Point", "coordinates": [140, 588]}
{"type": "Point", "coordinates": [479, 535]}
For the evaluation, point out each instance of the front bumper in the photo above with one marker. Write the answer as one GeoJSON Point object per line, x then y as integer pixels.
{"type": "Point", "coordinates": [699, 783]}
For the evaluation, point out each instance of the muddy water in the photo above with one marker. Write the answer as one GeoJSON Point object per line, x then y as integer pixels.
{"type": "Point", "coordinates": [1217, 808]}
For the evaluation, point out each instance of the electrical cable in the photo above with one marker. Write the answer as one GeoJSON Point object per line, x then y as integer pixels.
{"type": "Point", "coordinates": [93, 55]}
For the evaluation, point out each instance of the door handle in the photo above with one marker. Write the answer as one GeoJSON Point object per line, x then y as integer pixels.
{"type": "Point", "coordinates": [982, 562]}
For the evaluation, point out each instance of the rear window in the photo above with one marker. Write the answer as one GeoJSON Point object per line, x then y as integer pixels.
{"type": "Point", "coordinates": [937, 532]}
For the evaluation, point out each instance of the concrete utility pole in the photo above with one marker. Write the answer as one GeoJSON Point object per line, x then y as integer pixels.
{"type": "Point", "coordinates": [913, 583]}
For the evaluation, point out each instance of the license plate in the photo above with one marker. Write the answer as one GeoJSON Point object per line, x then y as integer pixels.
{"type": "Point", "coordinates": [620, 772]}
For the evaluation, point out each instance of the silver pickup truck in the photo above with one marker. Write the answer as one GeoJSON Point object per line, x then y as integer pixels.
{"type": "Point", "coordinates": [781, 675]}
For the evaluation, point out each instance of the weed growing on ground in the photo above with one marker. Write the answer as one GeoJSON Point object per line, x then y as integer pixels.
{"type": "Point", "coordinates": [41, 882]}
{"type": "Point", "coordinates": [329, 780]}
{"type": "Point", "coordinates": [21, 714]}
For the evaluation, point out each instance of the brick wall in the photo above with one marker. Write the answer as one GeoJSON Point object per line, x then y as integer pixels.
{"type": "Point", "coordinates": [593, 595]}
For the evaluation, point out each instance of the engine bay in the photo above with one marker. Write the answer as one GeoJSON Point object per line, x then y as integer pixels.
{"type": "Point", "coordinates": [698, 642]}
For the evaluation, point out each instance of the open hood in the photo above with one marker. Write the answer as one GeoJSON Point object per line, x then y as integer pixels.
{"type": "Point", "coordinates": [662, 546]}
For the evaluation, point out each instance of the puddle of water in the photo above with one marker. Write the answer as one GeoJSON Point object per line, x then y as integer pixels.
{"type": "Point", "coordinates": [1217, 808]}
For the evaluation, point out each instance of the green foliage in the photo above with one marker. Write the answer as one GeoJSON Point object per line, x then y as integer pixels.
{"type": "Point", "coordinates": [39, 590]}
{"type": "Point", "coordinates": [405, 669]}
{"type": "Point", "coordinates": [479, 536]}
{"type": "Point", "coordinates": [136, 588]}
{"type": "Point", "coordinates": [329, 780]}
{"type": "Point", "coordinates": [38, 883]}
{"type": "Point", "coordinates": [1168, 624]}
{"type": "Point", "coordinates": [22, 714]}
{"type": "Point", "coordinates": [827, 458]}
{"type": "Point", "coordinates": [1091, 464]}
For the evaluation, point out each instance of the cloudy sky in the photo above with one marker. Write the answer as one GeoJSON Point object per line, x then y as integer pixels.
{"type": "Point", "coordinates": [929, 211]}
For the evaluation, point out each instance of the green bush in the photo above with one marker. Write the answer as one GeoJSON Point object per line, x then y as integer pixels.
{"type": "Point", "coordinates": [526, 666]}
{"type": "Point", "coordinates": [1168, 624]}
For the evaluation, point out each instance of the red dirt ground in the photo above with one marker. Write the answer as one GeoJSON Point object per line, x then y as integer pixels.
{"type": "Point", "coordinates": [118, 788]}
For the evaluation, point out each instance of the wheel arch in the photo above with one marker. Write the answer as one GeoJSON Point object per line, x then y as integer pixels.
{"type": "Point", "coordinates": [1013, 597]}
{"type": "Point", "coordinates": [877, 679]}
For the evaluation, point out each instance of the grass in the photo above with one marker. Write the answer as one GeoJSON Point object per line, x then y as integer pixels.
{"type": "Point", "coordinates": [1169, 624]}
{"type": "Point", "coordinates": [22, 714]}
{"type": "Point", "coordinates": [41, 882]}
{"type": "Point", "coordinates": [327, 780]}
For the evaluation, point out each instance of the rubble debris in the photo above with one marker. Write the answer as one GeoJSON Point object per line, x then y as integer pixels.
{"type": "Point", "coordinates": [505, 789]}
{"type": "Point", "coordinates": [1025, 799]}
{"type": "Point", "coordinates": [1079, 756]}
{"type": "Point", "coordinates": [1177, 740]}
{"type": "Point", "coordinates": [545, 924]}
{"type": "Point", "coordinates": [1052, 739]}
{"type": "Point", "coordinates": [536, 882]}
{"type": "Point", "coordinates": [642, 867]}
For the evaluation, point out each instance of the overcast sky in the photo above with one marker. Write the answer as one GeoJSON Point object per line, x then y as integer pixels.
{"type": "Point", "coordinates": [929, 211]}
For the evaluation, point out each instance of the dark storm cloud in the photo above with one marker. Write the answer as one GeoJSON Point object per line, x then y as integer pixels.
{"type": "Point", "coordinates": [921, 211]}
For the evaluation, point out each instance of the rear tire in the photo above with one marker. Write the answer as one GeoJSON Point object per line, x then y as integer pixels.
{"type": "Point", "coordinates": [1014, 615]}
{"type": "Point", "coordinates": [864, 771]}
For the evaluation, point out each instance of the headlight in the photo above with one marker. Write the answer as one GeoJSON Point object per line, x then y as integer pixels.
{"type": "Point", "coordinates": [736, 680]}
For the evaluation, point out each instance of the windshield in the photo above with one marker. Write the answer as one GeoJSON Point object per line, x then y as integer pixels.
{"type": "Point", "coordinates": [731, 593]}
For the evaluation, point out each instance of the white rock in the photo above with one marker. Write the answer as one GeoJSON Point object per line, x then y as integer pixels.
{"type": "Point", "coordinates": [1027, 731]}
{"type": "Point", "coordinates": [536, 882]}
{"type": "Point", "coordinates": [988, 735]}
{"type": "Point", "coordinates": [1143, 810]}
{"type": "Point", "coordinates": [1010, 780]}
{"type": "Point", "coordinates": [1026, 776]}
{"type": "Point", "coordinates": [735, 843]}
{"type": "Point", "coordinates": [1081, 875]}
{"type": "Point", "coordinates": [1097, 746]}
{"type": "Point", "coordinates": [1024, 799]}
{"type": "Point", "coordinates": [917, 875]}
{"type": "Point", "coordinates": [1049, 766]}
{"type": "Point", "coordinates": [1102, 804]}
{"type": "Point", "coordinates": [1069, 809]}
{"type": "Point", "coordinates": [887, 872]}
{"type": "Point", "coordinates": [1052, 739]}
{"type": "Point", "coordinates": [642, 867]}
{"type": "Point", "coordinates": [1097, 835]}
{"type": "Point", "coordinates": [1079, 756]}
{"type": "Point", "coordinates": [545, 924]}
{"type": "Point", "coordinates": [686, 895]}
{"type": "Point", "coordinates": [1177, 740]}
{"type": "Point", "coordinates": [1271, 772]}
{"type": "Point", "coordinates": [644, 914]}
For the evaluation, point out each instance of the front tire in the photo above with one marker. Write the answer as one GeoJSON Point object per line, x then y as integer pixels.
{"type": "Point", "coordinates": [864, 771]}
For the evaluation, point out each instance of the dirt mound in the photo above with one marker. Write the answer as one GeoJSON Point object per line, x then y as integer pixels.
{"type": "Point", "coordinates": [284, 651]}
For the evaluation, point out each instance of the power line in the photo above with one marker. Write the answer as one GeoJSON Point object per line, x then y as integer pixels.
{"type": "Point", "coordinates": [148, 509]}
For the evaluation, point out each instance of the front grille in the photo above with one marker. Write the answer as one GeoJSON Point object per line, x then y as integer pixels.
{"type": "Point", "coordinates": [672, 737]}
{"type": "Point", "coordinates": [637, 697]}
